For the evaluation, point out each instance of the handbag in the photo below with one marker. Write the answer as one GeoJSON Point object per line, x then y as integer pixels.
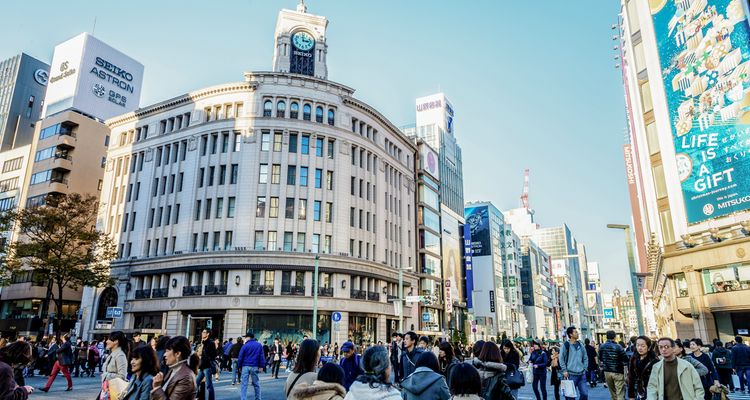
{"type": "Point", "coordinates": [117, 386]}
{"type": "Point", "coordinates": [514, 378]}
{"type": "Point", "coordinates": [104, 393]}
{"type": "Point", "coordinates": [736, 380]}
{"type": "Point", "coordinates": [530, 374]}
{"type": "Point", "coordinates": [568, 388]}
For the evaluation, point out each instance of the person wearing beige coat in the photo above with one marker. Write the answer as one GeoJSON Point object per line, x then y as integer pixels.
{"type": "Point", "coordinates": [688, 380]}
{"type": "Point", "coordinates": [319, 390]}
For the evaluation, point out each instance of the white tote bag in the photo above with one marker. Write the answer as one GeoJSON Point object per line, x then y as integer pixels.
{"type": "Point", "coordinates": [568, 388]}
{"type": "Point", "coordinates": [529, 374]}
{"type": "Point", "coordinates": [736, 380]}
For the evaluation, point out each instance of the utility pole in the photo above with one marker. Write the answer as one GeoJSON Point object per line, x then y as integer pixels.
{"type": "Point", "coordinates": [401, 299]}
{"type": "Point", "coordinates": [633, 274]}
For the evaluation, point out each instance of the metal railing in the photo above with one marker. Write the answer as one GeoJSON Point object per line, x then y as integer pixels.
{"type": "Point", "coordinates": [215, 290]}
{"type": "Point", "coordinates": [293, 290]}
{"type": "Point", "coordinates": [373, 296]}
{"type": "Point", "coordinates": [159, 293]}
{"type": "Point", "coordinates": [192, 291]}
{"type": "Point", "coordinates": [143, 293]}
{"type": "Point", "coordinates": [325, 291]}
{"type": "Point", "coordinates": [359, 294]}
{"type": "Point", "coordinates": [263, 290]}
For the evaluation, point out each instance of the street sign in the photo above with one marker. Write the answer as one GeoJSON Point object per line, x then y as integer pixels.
{"type": "Point", "coordinates": [413, 299]}
{"type": "Point", "coordinates": [336, 316]}
{"type": "Point", "coordinates": [336, 326]}
{"type": "Point", "coordinates": [609, 313]}
{"type": "Point", "coordinates": [209, 324]}
{"type": "Point", "coordinates": [425, 317]}
{"type": "Point", "coordinates": [114, 312]}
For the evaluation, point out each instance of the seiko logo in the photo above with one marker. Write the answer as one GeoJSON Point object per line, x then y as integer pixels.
{"type": "Point", "coordinates": [113, 74]}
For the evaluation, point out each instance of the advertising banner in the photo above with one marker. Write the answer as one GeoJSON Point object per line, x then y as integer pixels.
{"type": "Point", "coordinates": [704, 48]}
{"type": "Point", "coordinates": [478, 220]}
{"type": "Point", "coordinates": [468, 263]}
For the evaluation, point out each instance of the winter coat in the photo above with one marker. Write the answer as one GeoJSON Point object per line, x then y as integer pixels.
{"type": "Point", "coordinates": [139, 388]}
{"type": "Point", "coordinates": [116, 366]}
{"type": "Point", "coordinates": [9, 390]}
{"type": "Point", "coordinates": [512, 357]}
{"type": "Point", "coordinates": [712, 375]}
{"type": "Point", "coordinates": [306, 378]}
{"type": "Point", "coordinates": [466, 397]}
{"type": "Point", "coordinates": [234, 352]}
{"type": "Point", "coordinates": [722, 358]}
{"type": "Point", "coordinates": [639, 372]}
{"type": "Point", "coordinates": [65, 354]}
{"type": "Point", "coordinates": [208, 354]}
{"type": "Point", "coordinates": [690, 381]}
{"type": "Point", "coordinates": [319, 390]}
{"type": "Point", "coordinates": [538, 359]}
{"type": "Point", "coordinates": [446, 368]}
{"type": "Point", "coordinates": [741, 355]}
{"type": "Point", "coordinates": [591, 353]}
{"type": "Point", "coordinates": [251, 355]}
{"type": "Point", "coordinates": [408, 361]}
{"type": "Point", "coordinates": [612, 357]}
{"type": "Point", "coordinates": [425, 384]}
{"type": "Point", "coordinates": [352, 369]}
{"type": "Point", "coordinates": [363, 391]}
{"type": "Point", "coordinates": [699, 367]}
{"type": "Point", "coordinates": [179, 384]}
{"type": "Point", "coordinates": [488, 369]}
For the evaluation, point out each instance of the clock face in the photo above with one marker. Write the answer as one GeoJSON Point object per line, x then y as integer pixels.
{"type": "Point", "coordinates": [303, 41]}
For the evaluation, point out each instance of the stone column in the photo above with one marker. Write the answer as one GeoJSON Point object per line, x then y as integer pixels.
{"type": "Point", "coordinates": [704, 326]}
{"type": "Point", "coordinates": [235, 323]}
{"type": "Point", "coordinates": [175, 323]}
{"type": "Point", "coordinates": [381, 329]}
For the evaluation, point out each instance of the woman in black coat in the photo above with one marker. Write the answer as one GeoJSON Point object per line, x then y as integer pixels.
{"type": "Point", "coordinates": [639, 368]}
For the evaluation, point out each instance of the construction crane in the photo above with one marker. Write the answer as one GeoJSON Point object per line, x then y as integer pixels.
{"type": "Point", "coordinates": [525, 193]}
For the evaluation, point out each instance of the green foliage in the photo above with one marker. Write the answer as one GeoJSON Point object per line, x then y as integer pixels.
{"type": "Point", "coordinates": [60, 241]}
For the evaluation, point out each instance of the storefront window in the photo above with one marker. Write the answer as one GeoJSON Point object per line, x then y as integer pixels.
{"type": "Point", "coordinates": [680, 285]}
{"type": "Point", "coordinates": [148, 321]}
{"type": "Point", "coordinates": [288, 327]}
{"type": "Point", "coordinates": [726, 279]}
{"type": "Point", "coordinates": [363, 330]}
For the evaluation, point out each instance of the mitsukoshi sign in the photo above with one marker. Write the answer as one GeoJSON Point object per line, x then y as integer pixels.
{"type": "Point", "coordinates": [704, 48]}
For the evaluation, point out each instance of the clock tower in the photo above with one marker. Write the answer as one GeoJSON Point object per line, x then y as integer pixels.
{"type": "Point", "coordinates": [301, 43]}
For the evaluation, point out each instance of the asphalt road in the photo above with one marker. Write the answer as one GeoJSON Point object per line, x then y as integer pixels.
{"type": "Point", "coordinates": [272, 389]}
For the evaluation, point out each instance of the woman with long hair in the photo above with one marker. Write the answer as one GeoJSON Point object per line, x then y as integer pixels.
{"type": "Point", "coordinates": [116, 364]}
{"type": "Point", "coordinates": [639, 368]}
{"type": "Point", "coordinates": [446, 358]}
{"type": "Point", "coordinates": [145, 366]}
{"type": "Point", "coordinates": [329, 385]}
{"type": "Point", "coordinates": [554, 379]}
{"type": "Point", "coordinates": [375, 383]}
{"type": "Point", "coordinates": [161, 347]}
{"type": "Point", "coordinates": [179, 382]}
{"type": "Point", "coordinates": [12, 356]}
{"type": "Point", "coordinates": [308, 357]}
{"type": "Point", "coordinates": [489, 363]}
{"type": "Point", "coordinates": [538, 363]}
{"type": "Point", "coordinates": [465, 383]}
{"type": "Point", "coordinates": [712, 378]}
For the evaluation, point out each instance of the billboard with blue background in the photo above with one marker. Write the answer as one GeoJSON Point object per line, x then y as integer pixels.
{"type": "Point", "coordinates": [704, 48]}
{"type": "Point", "coordinates": [478, 221]}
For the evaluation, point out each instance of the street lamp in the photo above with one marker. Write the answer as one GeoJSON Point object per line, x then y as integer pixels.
{"type": "Point", "coordinates": [633, 274]}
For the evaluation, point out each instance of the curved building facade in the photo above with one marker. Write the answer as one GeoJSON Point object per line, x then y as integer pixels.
{"type": "Point", "coordinates": [221, 201]}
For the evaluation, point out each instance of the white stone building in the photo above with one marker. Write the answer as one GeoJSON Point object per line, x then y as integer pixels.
{"type": "Point", "coordinates": [220, 201]}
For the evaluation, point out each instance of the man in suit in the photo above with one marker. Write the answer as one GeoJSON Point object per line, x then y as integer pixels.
{"type": "Point", "coordinates": [274, 353]}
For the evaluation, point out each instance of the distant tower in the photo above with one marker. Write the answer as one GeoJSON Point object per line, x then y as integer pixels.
{"type": "Point", "coordinates": [525, 193]}
{"type": "Point", "coordinates": [301, 43]}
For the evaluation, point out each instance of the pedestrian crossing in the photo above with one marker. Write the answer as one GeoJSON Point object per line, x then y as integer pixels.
{"type": "Point", "coordinates": [739, 396]}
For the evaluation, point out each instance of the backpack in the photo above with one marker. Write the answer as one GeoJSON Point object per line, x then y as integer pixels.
{"type": "Point", "coordinates": [495, 388]}
{"type": "Point", "coordinates": [567, 352]}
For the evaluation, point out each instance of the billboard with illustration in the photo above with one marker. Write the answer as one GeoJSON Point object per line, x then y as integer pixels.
{"type": "Point", "coordinates": [704, 48]}
{"type": "Point", "coordinates": [478, 220]}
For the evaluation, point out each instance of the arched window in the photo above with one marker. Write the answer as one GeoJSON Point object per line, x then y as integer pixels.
{"type": "Point", "coordinates": [330, 117]}
{"type": "Point", "coordinates": [294, 110]}
{"type": "Point", "coordinates": [319, 114]}
{"type": "Point", "coordinates": [306, 112]}
{"type": "Point", "coordinates": [280, 109]}
{"type": "Point", "coordinates": [267, 108]}
{"type": "Point", "coordinates": [108, 298]}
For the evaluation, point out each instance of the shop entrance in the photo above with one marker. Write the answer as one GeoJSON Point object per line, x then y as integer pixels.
{"type": "Point", "coordinates": [200, 320]}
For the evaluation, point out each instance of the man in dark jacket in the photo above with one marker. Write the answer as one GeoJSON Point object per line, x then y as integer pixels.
{"type": "Point", "coordinates": [722, 359]}
{"type": "Point", "coordinates": [396, 340]}
{"type": "Point", "coordinates": [234, 354]}
{"type": "Point", "coordinates": [741, 361]}
{"type": "Point", "coordinates": [613, 360]}
{"type": "Point", "coordinates": [350, 364]}
{"type": "Point", "coordinates": [208, 355]}
{"type": "Point", "coordinates": [409, 354]}
{"type": "Point", "coordinates": [593, 364]}
{"type": "Point", "coordinates": [274, 353]}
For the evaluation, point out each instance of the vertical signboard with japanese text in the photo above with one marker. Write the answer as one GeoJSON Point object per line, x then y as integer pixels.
{"type": "Point", "coordinates": [704, 48]}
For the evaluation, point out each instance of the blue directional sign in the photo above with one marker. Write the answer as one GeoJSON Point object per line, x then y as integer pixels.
{"type": "Point", "coordinates": [609, 313]}
{"type": "Point", "coordinates": [425, 317]}
{"type": "Point", "coordinates": [336, 316]}
{"type": "Point", "coordinates": [114, 312]}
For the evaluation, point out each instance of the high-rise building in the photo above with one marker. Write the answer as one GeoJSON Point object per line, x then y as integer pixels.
{"type": "Point", "coordinates": [89, 81]}
{"type": "Point", "coordinates": [594, 297]}
{"type": "Point", "coordinates": [23, 83]}
{"type": "Point", "coordinates": [435, 127]}
{"type": "Point", "coordinates": [683, 67]}
{"type": "Point", "coordinates": [225, 201]}
{"type": "Point", "coordinates": [490, 307]}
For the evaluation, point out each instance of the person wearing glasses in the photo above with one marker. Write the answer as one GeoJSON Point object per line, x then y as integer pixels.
{"type": "Point", "coordinates": [673, 377]}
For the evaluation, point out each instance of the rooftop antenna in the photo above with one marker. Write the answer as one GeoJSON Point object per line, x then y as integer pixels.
{"type": "Point", "coordinates": [301, 7]}
{"type": "Point", "coordinates": [93, 30]}
{"type": "Point", "coordinates": [525, 192]}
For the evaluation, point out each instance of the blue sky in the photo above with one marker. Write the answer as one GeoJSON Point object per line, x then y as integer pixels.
{"type": "Point", "coordinates": [533, 84]}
